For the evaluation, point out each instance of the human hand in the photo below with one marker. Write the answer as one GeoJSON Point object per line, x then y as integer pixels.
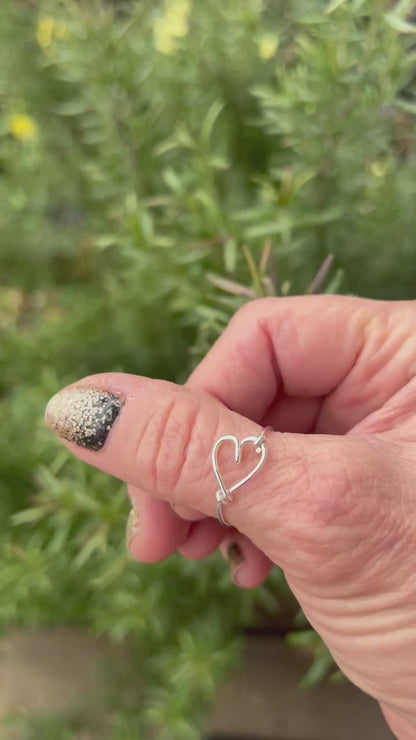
{"type": "Point", "coordinates": [335, 502]}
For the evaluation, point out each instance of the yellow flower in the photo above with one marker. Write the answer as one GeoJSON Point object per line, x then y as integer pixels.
{"type": "Point", "coordinates": [163, 40]}
{"type": "Point", "coordinates": [268, 44]}
{"type": "Point", "coordinates": [22, 127]}
{"type": "Point", "coordinates": [378, 168]}
{"type": "Point", "coordinates": [178, 25]}
{"type": "Point", "coordinates": [45, 32]}
{"type": "Point", "coordinates": [48, 30]}
{"type": "Point", "coordinates": [172, 25]}
{"type": "Point", "coordinates": [177, 17]}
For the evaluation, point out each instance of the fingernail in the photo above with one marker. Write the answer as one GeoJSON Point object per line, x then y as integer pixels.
{"type": "Point", "coordinates": [132, 526]}
{"type": "Point", "coordinates": [83, 415]}
{"type": "Point", "coordinates": [235, 559]}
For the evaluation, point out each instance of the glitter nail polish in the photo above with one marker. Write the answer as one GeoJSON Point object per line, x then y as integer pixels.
{"type": "Point", "coordinates": [132, 526]}
{"type": "Point", "coordinates": [235, 558]}
{"type": "Point", "coordinates": [83, 415]}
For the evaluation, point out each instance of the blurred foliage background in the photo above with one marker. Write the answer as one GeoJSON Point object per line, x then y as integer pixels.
{"type": "Point", "coordinates": [160, 164]}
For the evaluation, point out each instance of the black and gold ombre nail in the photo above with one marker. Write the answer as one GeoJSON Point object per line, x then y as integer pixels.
{"type": "Point", "coordinates": [83, 415]}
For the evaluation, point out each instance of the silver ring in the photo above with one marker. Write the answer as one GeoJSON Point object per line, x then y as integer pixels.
{"type": "Point", "coordinates": [225, 495]}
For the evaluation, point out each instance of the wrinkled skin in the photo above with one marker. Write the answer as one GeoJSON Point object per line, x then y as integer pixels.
{"type": "Point", "coordinates": [334, 504]}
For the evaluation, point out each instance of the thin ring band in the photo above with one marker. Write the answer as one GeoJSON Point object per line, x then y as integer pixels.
{"type": "Point", "coordinates": [224, 495]}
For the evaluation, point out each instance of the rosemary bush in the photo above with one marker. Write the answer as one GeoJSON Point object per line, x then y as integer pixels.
{"type": "Point", "coordinates": [160, 164]}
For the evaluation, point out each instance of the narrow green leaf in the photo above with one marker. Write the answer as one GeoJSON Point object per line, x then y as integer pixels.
{"type": "Point", "coordinates": [209, 121]}
{"type": "Point", "coordinates": [268, 229]}
{"type": "Point", "coordinates": [106, 240]}
{"type": "Point", "coordinates": [337, 677]}
{"type": "Point", "coordinates": [300, 621]}
{"type": "Point", "coordinates": [230, 286]}
{"type": "Point", "coordinates": [72, 107]}
{"type": "Point", "coordinates": [173, 181]}
{"type": "Point", "coordinates": [399, 24]}
{"type": "Point", "coordinates": [406, 105]}
{"type": "Point", "coordinates": [324, 216]}
{"type": "Point", "coordinates": [253, 270]}
{"type": "Point", "coordinates": [230, 255]}
{"type": "Point", "coordinates": [318, 671]}
{"type": "Point", "coordinates": [166, 146]}
{"type": "Point", "coordinates": [306, 639]}
{"type": "Point", "coordinates": [98, 542]}
{"type": "Point", "coordinates": [28, 516]}
{"type": "Point", "coordinates": [333, 5]}
{"type": "Point", "coordinates": [336, 282]}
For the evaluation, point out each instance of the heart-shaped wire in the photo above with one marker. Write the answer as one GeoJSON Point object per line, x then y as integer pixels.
{"type": "Point", "coordinates": [225, 494]}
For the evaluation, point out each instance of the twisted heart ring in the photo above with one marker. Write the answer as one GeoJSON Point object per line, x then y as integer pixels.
{"type": "Point", "coordinates": [224, 495]}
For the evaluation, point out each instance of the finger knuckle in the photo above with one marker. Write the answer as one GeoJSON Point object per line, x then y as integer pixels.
{"type": "Point", "coordinates": [166, 443]}
{"type": "Point", "coordinates": [250, 311]}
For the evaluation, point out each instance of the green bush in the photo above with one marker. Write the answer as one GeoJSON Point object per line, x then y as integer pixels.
{"type": "Point", "coordinates": [160, 164]}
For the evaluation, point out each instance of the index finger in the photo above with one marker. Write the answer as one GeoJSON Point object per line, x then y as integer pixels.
{"type": "Point", "coordinates": [337, 358]}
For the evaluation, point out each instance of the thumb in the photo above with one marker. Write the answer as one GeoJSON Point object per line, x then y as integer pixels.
{"type": "Point", "coordinates": [303, 504]}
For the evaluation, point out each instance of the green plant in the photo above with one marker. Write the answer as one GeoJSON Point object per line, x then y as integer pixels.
{"type": "Point", "coordinates": [161, 164]}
